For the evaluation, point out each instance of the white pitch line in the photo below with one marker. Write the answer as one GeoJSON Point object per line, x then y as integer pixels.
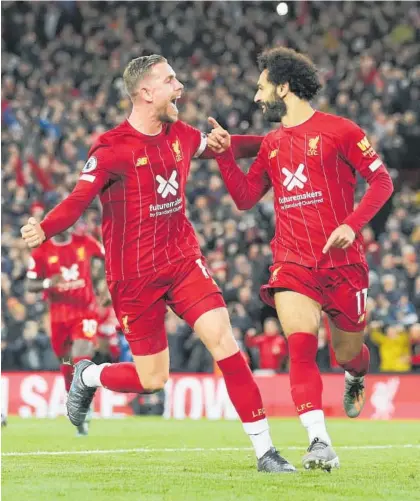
{"type": "Point", "coordinates": [195, 449]}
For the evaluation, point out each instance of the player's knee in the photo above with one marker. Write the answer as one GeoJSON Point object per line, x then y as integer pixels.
{"type": "Point", "coordinates": [221, 342]}
{"type": "Point", "coordinates": [154, 382]}
{"type": "Point", "coordinates": [215, 332]}
{"type": "Point", "coordinates": [344, 354]}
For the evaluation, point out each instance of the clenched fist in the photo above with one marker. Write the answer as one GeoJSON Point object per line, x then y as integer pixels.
{"type": "Point", "coordinates": [32, 233]}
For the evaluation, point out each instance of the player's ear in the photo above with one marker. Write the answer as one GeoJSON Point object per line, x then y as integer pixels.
{"type": "Point", "coordinates": [283, 89]}
{"type": "Point", "coordinates": [146, 94]}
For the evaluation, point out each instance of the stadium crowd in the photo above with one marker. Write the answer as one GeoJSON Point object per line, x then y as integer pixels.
{"type": "Point", "coordinates": [62, 87]}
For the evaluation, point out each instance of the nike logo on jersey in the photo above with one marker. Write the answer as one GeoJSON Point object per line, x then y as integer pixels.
{"type": "Point", "coordinates": [167, 186]}
{"type": "Point", "coordinates": [294, 180]}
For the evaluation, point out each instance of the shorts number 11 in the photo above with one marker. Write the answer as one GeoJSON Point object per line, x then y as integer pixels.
{"type": "Point", "coordinates": [361, 301]}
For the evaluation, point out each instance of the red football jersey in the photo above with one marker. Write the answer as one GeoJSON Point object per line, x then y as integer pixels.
{"type": "Point", "coordinates": [71, 260]}
{"type": "Point", "coordinates": [312, 169]}
{"type": "Point", "coordinates": [273, 350]}
{"type": "Point", "coordinates": [141, 182]}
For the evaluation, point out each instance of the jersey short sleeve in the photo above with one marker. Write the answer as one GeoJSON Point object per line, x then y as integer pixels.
{"type": "Point", "coordinates": [36, 265]}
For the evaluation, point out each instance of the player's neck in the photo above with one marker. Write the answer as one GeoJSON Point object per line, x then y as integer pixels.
{"type": "Point", "coordinates": [145, 123]}
{"type": "Point", "coordinates": [62, 240]}
{"type": "Point", "coordinates": [298, 112]}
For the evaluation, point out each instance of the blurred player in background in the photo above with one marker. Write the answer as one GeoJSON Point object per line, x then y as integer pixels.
{"type": "Point", "coordinates": [61, 268]}
{"type": "Point", "coordinates": [311, 162]}
{"type": "Point", "coordinates": [107, 346]}
{"type": "Point", "coordinates": [153, 258]}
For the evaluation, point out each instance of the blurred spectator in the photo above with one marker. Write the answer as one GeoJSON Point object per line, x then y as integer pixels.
{"type": "Point", "coordinates": [415, 346]}
{"type": "Point", "coordinates": [177, 333]}
{"type": "Point", "coordinates": [198, 358]}
{"type": "Point", "coordinates": [323, 355]}
{"type": "Point", "coordinates": [394, 348]}
{"type": "Point", "coordinates": [406, 312]}
{"type": "Point", "coordinates": [271, 345]}
{"type": "Point", "coordinates": [383, 314]}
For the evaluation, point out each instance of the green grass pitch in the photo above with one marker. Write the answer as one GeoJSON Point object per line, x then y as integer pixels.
{"type": "Point", "coordinates": [204, 461]}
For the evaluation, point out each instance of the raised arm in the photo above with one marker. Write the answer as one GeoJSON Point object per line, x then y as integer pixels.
{"type": "Point", "coordinates": [242, 147]}
{"type": "Point", "coordinates": [245, 189]}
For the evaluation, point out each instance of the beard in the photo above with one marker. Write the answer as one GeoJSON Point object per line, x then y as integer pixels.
{"type": "Point", "coordinates": [167, 116]}
{"type": "Point", "coordinates": [275, 110]}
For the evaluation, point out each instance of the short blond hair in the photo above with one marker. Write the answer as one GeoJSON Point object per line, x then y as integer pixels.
{"type": "Point", "coordinates": [137, 69]}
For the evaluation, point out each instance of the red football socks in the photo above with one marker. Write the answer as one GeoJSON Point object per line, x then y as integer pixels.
{"type": "Point", "coordinates": [121, 377]}
{"type": "Point", "coordinates": [67, 372]}
{"type": "Point", "coordinates": [242, 388]}
{"type": "Point", "coordinates": [305, 379]}
{"type": "Point", "coordinates": [359, 366]}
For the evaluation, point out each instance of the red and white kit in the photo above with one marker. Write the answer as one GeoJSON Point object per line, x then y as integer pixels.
{"type": "Point", "coordinates": [153, 257]}
{"type": "Point", "coordinates": [72, 302]}
{"type": "Point", "coordinates": [312, 169]}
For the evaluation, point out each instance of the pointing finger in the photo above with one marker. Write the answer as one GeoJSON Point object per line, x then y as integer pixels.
{"type": "Point", "coordinates": [329, 243]}
{"type": "Point", "coordinates": [213, 122]}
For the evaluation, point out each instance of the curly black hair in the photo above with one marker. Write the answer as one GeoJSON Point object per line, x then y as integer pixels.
{"type": "Point", "coordinates": [287, 65]}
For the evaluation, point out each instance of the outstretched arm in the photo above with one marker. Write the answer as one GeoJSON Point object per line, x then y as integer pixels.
{"type": "Point", "coordinates": [242, 147]}
{"type": "Point", "coordinates": [245, 189]}
{"type": "Point", "coordinates": [94, 176]}
{"type": "Point", "coordinates": [69, 210]}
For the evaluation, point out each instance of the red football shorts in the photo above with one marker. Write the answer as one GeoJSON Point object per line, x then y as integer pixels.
{"type": "Point", "coordinates": [64, 333]}
{"type": "Point", "coordinates": [140, 304]}
{"type": "Point", "coordinates": [341, 291]}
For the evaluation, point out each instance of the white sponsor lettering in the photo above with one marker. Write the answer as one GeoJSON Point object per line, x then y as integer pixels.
{"type": "Point", "coordinates": [167, 186]}
{"type": "Point", "coordinates": [43, 395]}
{"type": "Point", "coordinates": [109, 400]}
{"type": "Point", "coordinates": [164, 209]}
{"type": "Point", "coordinates": [207, 397]}
{"type": "Point", "coordinates": [34, 393]}
{"type": "Point", "coordinates": [308, 198]}
{"type": "Point", "coordinates": [296, 179]}
{"type": "Point", "coordinates": [216, 400]}
{"type": "Point", "coordinates": [191, 386]}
